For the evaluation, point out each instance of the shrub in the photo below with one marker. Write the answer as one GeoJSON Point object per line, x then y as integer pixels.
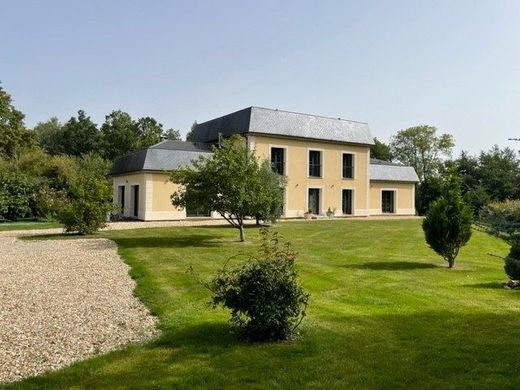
{"type": "Point", "coordinates": [512, 261]}
{"type": "Point", "coordinates": [16, 195]}
{"type": "Point", "coordinates": [512, 267]}
{"type": "Point", "coordinates": [501, 218]}
{"type": "Point", "coordinates": [86, 195]}
{"type": "Point", "coordinates": [264, 295]}
{"type": "Point", "coordinates": [447, 225]}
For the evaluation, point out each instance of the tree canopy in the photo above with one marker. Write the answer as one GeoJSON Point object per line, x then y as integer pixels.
{"type": "Point", "coordinates": [80, 136]}
{"type": "Point", "coordinates": [189, 136]}
{"type": "Point", "coordinates": [381, 151]}
{"type": "Point", "coordinates": [49, 135]}
{"type": "Point", "coordinates": [421, 148]}
{"type": "Point", "coordinates": [13, 135]}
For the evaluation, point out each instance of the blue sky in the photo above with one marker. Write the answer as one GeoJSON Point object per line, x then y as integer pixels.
{"type": "Point", "coordinates": [393, 64]}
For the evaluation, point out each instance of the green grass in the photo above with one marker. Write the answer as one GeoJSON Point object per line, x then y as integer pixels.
{"type": "Point", "coordinates": [385, 312]}
{"type": "Point", "coordinates": [28, 225]}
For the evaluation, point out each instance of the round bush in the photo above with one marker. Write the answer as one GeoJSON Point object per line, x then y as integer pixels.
{"type": "Point", "coordinates": [264, 296]}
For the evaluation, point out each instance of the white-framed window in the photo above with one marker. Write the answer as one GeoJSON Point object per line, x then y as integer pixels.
{"type": "Point", "coordinates": [315, 163]}
{"type": "Point", "coordinates": [347, 201]}
{"type": "Point", "coordinates": [388, 200]}
{"type": "Point", "coordinates": [347, 165]}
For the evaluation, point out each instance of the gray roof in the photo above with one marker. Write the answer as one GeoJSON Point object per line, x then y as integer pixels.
{"type": "Point", "coordinates": [387, 171]}
{"type": "Point", "coordinates": [164, 156]}
{"type": "Point", "coordinates": [284, 123]}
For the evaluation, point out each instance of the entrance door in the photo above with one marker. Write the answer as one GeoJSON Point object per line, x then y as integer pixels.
{"type": "Point", "coordinates": [346, 202]}
{"type": "Point", "coordinates": [314, 200]}
{"type": "Point", "coordinates": [135, 201]}
{"type": "Point", "coordinates": [387, 201]}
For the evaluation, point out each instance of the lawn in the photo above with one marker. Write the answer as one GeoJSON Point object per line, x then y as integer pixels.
{"type": "Point", "coordinates": [385, 312]}
{"type": "Point", "coordinates": [28, 225]}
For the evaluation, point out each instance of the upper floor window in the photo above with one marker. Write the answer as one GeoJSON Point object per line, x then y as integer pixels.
{"type": "Point", "coordinates": [348, 166]}
{"type": "Point", "coordinates": [277, 160]}
{"type": "Point", "coordinates": [314, 163]}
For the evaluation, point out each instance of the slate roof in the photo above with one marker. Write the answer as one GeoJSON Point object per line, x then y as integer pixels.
{"type": "Point", "coordinates": [164, 156]}
{"type": "Point", "coordinates": [387, 171]}
{"type": "Point", "coordinates": [257, 120]}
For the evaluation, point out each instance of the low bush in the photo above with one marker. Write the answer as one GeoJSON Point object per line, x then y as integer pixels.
{"type": "Point", "coordinates": [85, 198]}
{"type": "Point", "coordinates": [265, 298]}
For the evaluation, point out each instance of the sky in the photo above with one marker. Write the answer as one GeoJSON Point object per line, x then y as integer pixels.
{"type": "Point", "coordinates": [394, 64]}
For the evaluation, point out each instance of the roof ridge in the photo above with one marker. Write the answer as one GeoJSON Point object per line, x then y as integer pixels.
{"type": "Point", "coordinates": [231, 113]}
{"type": "Point", "coordinates": [306, 114]}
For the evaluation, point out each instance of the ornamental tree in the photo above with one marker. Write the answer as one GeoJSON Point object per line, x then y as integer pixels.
{"type": "Point", "coordinates": [447, 225]}
{"type": "Point", "coordinates": [231, 182]}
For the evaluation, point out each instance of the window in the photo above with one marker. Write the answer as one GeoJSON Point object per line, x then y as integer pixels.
{"type": "Point", "coordinates": [135, 200]}
{"type": "Point", "coordinates": [314, 200]}
{"type": "Point", "coordinates": [121, 198]}
{"type": "Point", "coordinates": [346, 204]}
{"type": "Point", "coordinates": [387, 201]}
{"type": "Point", "coordinates": [348, 166]}
{"type": "Point", "coordinates": [193, 209]}
{"type": "Point", "coordinates": [314, 163]}
{"type": "Point", "coordinates": [277, 160]}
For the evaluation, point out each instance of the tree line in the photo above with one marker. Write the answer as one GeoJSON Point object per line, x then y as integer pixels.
{"type": "Point", "coordinates": [492, 175]}
{"type": "Point", "coordinates": [60, 170]}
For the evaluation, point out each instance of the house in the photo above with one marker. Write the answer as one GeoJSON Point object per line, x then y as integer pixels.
{"type": "Point", "coordinates": [326, 160]}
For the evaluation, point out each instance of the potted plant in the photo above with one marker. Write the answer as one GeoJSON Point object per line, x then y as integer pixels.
{"type": "Point", "coordinates": [308, 214]}
{"type": "Point", "coordinates": [330, 212]}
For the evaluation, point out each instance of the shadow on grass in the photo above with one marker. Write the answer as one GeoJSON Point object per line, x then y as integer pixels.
{"type": "Point", "coordinates": [177, 241]}
{"type": "Point", "coordinates": [391, 265]}
{"type": "Point", "coordinates": [209, 334]}
{"type": "Point", "coordinates": [454, 350]}
{"type": "Point", "coordinates": [57, 236]}
{"type": "Point", "coordinates": [490, 285]}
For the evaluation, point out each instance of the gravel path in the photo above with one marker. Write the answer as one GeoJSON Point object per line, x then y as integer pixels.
{"type": "Point", "coordinates": [63, 301]}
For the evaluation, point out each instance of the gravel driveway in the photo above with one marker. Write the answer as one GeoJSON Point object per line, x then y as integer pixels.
{"type": "Point", "coordinates": [63, 301]}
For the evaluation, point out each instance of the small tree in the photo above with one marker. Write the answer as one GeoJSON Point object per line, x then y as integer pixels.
{"type": "Point", "coordinates": [228, 182]}
{"type": "Point", "coordinates": [85, 193]}
{"type": "Point", "coordinates": [265, 298]}
{"type": "Point", "coordinates": [447, 226]}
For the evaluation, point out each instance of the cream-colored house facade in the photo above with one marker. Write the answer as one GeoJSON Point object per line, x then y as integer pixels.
{"type": "Point", "coordinates": [326, 161]}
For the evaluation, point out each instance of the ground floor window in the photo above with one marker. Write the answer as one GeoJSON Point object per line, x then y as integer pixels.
{"type": "Point", "coordinates": [346, 202]}
{"type": "Point", "coordinates": [121, 198]}
{"type": "Point", "coordinates": [387, 201]}
{"type": "Point", "coordinates": [135, 200]}
{"type": "Point", "coordinates": [314, 200]}
{"type": "Point", "coordinates": [193, 212]}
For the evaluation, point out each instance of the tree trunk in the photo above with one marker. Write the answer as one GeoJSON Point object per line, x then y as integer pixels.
{"type": "Point", "coordinates": [451, 262]}
{"type": "Point", "coordinates": [242, 233]}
